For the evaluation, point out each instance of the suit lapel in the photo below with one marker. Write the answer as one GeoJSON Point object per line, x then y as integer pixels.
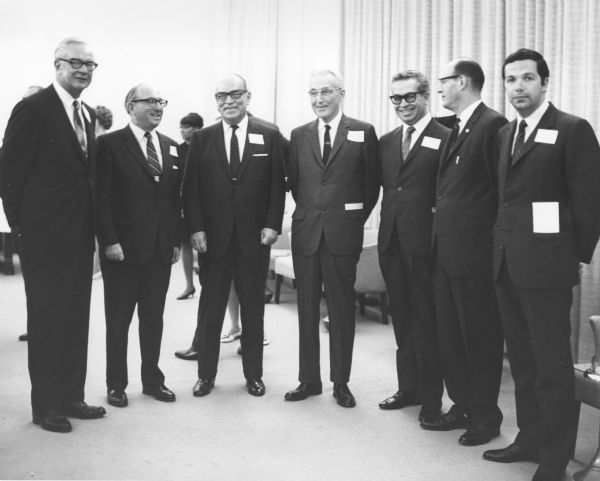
{"type": "Point", "coordinates": [65, 123]}
{"type": "Point", "coordinates": [465, 132]}
{"type": "Point", "coordinates": [220, 147]}
{"type": "Point", "coordinates": [247, 155]}
{"type": "Point", "coordinates": [167, 160]}
{"type": "Point", "coordinates": [132, 146]}
{"type": "Point", "coordinates": [505, 159]}
{"type": "Point", "coordinates": [340, 138]}
{"type": "Point", "coordinates": [396, 161]}
{"type": "Point", "coordinates": [547, 121]}
{"type": "Point", "coordinates": [312, 135]}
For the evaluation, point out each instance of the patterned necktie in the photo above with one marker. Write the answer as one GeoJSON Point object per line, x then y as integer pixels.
{"type": "Point", "coordinates": [326, 144]}
{"type": "Point", "coordinates": [152, 155]}
{"type": "Point", "coordinates": [520, 140]}
{"type": "Point", "coordinates": [234, 154]}
{"type": "Point", "coordinates": [79, 130]}
{"type": "Point", "coordinates": [406, 143]}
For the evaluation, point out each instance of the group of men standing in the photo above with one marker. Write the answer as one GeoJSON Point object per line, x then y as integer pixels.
{"type": "Point", "coordinates": [483, 224]}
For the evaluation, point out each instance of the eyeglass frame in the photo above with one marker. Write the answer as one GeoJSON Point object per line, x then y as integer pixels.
{"type": "Point", "coordinates": [404, 97]}
{"type": "Point", "coordinates": [324, 92]}
{"type": "Point", "coordinates": [221, 97]}
{"type": "Point", "coordinates": [151, 102]}
{"type": "Point", "coordinates": [441, 80]}
{"type": "Point", "coordinates": [90, 66]}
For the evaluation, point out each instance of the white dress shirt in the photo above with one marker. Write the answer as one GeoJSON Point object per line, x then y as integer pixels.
{"type": "Point", "coordinates": [140, 136]}
{"type": "Point", "coordinates": [466, 115]}
{"type": "Point", "coordinates": [334, 124]}
{"type": "Point", "coordinates": [240, 133]}
{"type": "Point", "coordinates": [419, 128]}
{"type": "Point", "coordinates": [532, 121]}
{"type": "Point", "coordinates": [67, 100]}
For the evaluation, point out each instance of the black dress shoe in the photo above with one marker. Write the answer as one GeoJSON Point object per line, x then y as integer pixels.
{"type": "Point", "coordinates": [189, 354]}
{"type": "Point", "coordinates": [400, 400]}
{"type": "Point", "coordinates": [203, 387]}
{"type": "Point", "coordinates": [52, 421]}
{"type": "Point", "coordinates": [548, 473]}
{"type": "Point", "coordinates": [511, 454]}
{"type": "Point", "coordinates": [429, 412]}
{"type": "Point", "coordinates": [479, 434]}
{"type": "Point", "coordinates": [453, 419]}
{"type": "Point", "coordinates": [343, 395]}
{"type": "Point", "coordinates": [117, 397]}
{"type": "Point", "coordinates": [304, 390]}
{"type": "Point", "coordinates": [255, 387]}
{"type": "Point", "coordinates": [187, 294]}
{"type": "Point", "coordinates": [23, 337]}
{"type": "Point", "coordinates": [160, 393]}
{"type": "Point", "coordinates": [81, 410]}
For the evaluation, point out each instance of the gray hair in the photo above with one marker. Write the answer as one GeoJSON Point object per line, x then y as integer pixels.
{"type": "Point", "coordinates": [338, 78]}
{"type": "Point", "coordinates": [130, 95]}
{"type": "Point", "coordinates": [420, 77]}
{"type": "Point", "coordinates": [62, 46]}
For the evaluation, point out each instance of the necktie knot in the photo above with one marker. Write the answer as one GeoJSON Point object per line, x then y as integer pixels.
{"type": "Point", "coordinates": [76, 105]}
{"type": "Point", "coordinates": [522, 127]}
{"type": "Point", "coordinates": [234, 128]}
{"type": "Point", "coordinates": [147, 135]}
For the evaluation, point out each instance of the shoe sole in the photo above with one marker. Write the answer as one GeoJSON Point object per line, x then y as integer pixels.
{"type": "Point", "coordinates": [308, 393]}
{"type": "Point", "coordinates": [118, 404]}
{"type": "Point", "coordinates": [45, 427]}
{"type": "Point", "coordinates": [344, 405]}
{"type": "Point", "coordinates": [481, 441]}
{"type": "Point", "coordinates": [187, 358]}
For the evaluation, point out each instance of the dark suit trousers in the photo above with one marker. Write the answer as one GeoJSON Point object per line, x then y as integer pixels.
{"type": "Point", "coordinates": [409, 283]}
{"type": "Point", "coordinates": [58, 289]}
{"type": "Point", "coordinates": [125, 286]}
{"type": "Point", "coordinates": [338, 273]}
{"type": "Point", "coordinates": [537, 329]}
{"type": "Point", "coordinates": [249, 275]}
{"type": "Point", "coordinates": [471, 343]}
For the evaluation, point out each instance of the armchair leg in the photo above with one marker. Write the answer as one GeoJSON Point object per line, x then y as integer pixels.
{"type": "Point", "coordinates": [278, 281]}
{"type": "Point", "coordinates": [383, 307]}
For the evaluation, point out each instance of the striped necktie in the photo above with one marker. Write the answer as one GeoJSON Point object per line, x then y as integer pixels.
{"type": "Point", "coordinates": [152, 155]}
{"type": "Point", "coordinates": [79, 130]}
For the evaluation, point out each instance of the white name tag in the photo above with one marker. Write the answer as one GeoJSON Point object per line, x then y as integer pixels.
{"type": "Point", "coordinates": [431, 143]}
{"type": "Point", "coordinates": [357, 206]}
{"type": "Point", "coordinates": [173, 151]}
{"type": "Point", "coordinates": [545, 217]}
{"type": "Point", "coordinates": [546, 136]}
{"type": "Point", "coordinates": [356, 136]}
{"type": "Point", "coordinates": [259, 155]}
{"type": "Point", "coordinates": [256, 139]}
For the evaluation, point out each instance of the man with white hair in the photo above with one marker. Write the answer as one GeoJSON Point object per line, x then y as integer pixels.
{"type": "Point", "coordinates": [333, 178]}
{"type": "Point", "coordinates": [48, 176]}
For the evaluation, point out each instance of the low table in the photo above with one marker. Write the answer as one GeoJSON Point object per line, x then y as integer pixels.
{"type": "Point", "coordinates": [587, 390]}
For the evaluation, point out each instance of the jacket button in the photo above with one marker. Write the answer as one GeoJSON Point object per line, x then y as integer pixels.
{"type": "Point", "coordinates": [440, 197]}
{"type": "Point", "coordinates": [506, 204]}
{"type": "Point", "coordinates": [399, 189]}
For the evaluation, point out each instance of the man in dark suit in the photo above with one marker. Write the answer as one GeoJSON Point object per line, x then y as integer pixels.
{"type": "Point", "coordinates": [139, 230]}
{"type": "Point", "coordinates": [469, 329]}
{"type": "Point", "coordinates": [333, 178]}
{"type": "Point", "coordinates": [548, 221]}
{"type": "Point", "coordinates": [408, 162]}
{"type": "Point", "coordinates": [48, 182]}
{"type": "Point", "coordinates": [234, 196]}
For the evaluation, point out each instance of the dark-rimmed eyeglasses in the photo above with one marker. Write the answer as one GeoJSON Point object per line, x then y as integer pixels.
{"type": "Point", "coordinates": [234, 94]}
{"type": "Point", "coordinates": [448, 78]}
{"type": "Point", "coordinates": [152, 102]}
{"type": "Point", "coordinates": [325, 92]}
{"type": "Point", "coordinates": [410, 98]}
{"type": "Point", "coordinates": [77, 63]}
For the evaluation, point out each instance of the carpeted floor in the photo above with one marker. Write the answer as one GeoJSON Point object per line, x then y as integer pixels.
{"type": "Point", "coordinates": [230, 435]}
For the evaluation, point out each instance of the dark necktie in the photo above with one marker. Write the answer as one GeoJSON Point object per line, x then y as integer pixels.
{"type": "Point", "coordinates": [326, 144]}
{"type": "Point", "coordinates": [520, 140]}
{"type": "Point", "coordinates": [234, 154]}
{"type": "Point", "coordinates": [454, 134]}
{"type": "Point", "coordinates": [79, 130]}
{"type": "Point", "coordinates": [152, 155]}
{"type": "Point", "coordinates": [406, 143]}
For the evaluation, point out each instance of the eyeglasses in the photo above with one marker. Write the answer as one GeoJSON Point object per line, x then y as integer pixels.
{"type": "Point", "coordinates": [410, 98]}
{"type": "Point", "coordinates": [77, 63]}
{"type": "Point", "coordinates": [448, 78]}
{"type": "Point", "coordinates": [325, 92]}
{"type": "Point", "coordinates": [152, 102]}
{"type": "Point", "coordinates": [234, 94]}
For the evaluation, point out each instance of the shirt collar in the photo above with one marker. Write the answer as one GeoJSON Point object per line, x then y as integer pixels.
{"type": "Point", "coordinates": [419, 126]}
{"type": "Point", "coordinates": [242, 125]}
{"type": "Point", "coordinates": [465, 115]}
{"type": "Point", "coordinates": [334, 123]}
{"type": "Point", "coordinates": [67, 100]}
{"type": "Point", "coordinates": [534, 119]}
{"type": "Point", "coordinates": [140, 133]}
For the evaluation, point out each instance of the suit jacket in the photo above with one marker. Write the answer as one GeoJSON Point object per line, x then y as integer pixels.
{"type": "Point", "coordinates": [566, 171]}
{"type": "Point", "coordinates": [409, 188]}
{"type": "Point", "coordinates": [216, 204]}
{"type": "Point", "coordinates": [47, 183]}
{"type": "Point", "coordinates": [135, 210]}
{"type": "Point", "coordinates": [333, 200]}
{"type": "Point", "coordinates": [466, 203]}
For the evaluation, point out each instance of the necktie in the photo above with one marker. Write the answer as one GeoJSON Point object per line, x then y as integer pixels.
{"type": "Point", "coordinates": [406, 143]}
{"type": "Point", "coordinates": [234, 154]}
{"type": "Point", "coordinates": [326, 144]}
{"type": "Point", "coordinates": [520, 140]}
{"type": "Point", "coordinates": [152, 156]}
{"type": "Point", "coordinates": [79, 130]}
{"type": "Point", "coordinates": [454, 134]}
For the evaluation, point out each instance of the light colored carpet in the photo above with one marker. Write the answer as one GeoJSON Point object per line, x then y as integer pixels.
{"type": "Point", "coordinates": [230, 435]}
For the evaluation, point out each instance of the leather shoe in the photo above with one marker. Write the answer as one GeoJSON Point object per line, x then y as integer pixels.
{"type": "Point", "coordinates": [23, 337]}
{"type": "Point", "coordinates": [429, 412]}
{"type": "Point", "coordinates": [510, 454]}
{"type": "Point", "coordinates": [548, 473]}
{"type": "Point", "coordinates": [81, 410]}
{"type": "Point", "coordinates": [479, 434]}
{"type": "Point", "coordinates": [304, 390]}
{"type": "Point", "coordinates": [117, 397]}
{"type": "Point", "coordinates": [453, 419]}
{"type": "Point", "coordinates": [255, 387]}
{"type": "Point", "coordinates": [52, 421]}
{"type": "Point", "coordinates": [189, 354]}
{"type": "Point", "coordinates": [343, 395]}
{"type": "Point", "coordinates": [160, 393]}
{"type": "Point", "coordinates": [203, 387]}
{"type": "Point", "coordinates": [400, 400]}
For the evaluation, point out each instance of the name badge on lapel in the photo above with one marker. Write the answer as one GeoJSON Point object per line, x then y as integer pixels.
{"type": "Point", "coordinates": [355, 206]}
{"type": "Point", "coordinates": [546, 136]}
{"type": "Point", "coordinates": [356, 136]}
{"type": "Point", "coordinates": [256, 139]}
{"type": "Point", "coordinates": [431, 142]}
{"type": "Point", "coordinates": [173, 151]}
